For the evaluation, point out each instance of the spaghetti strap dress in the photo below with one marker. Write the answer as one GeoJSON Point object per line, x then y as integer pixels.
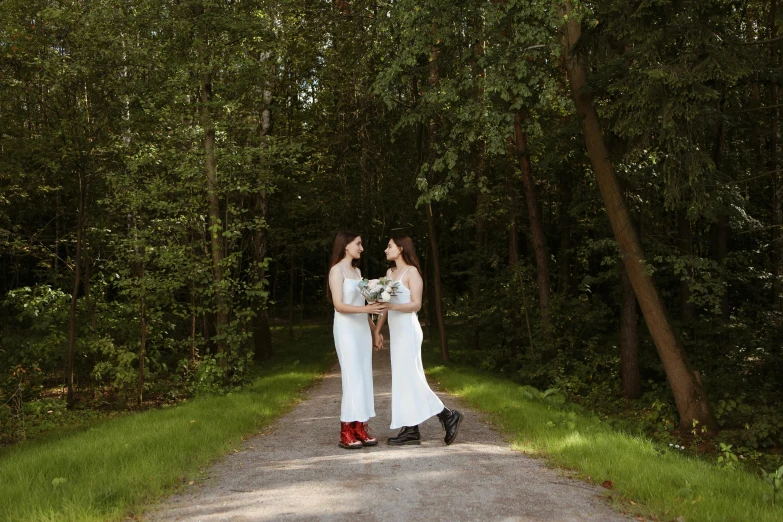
{"type": "Point", "coordinates": [413, 401]}
{"type": "Point", "coordinates": [353, 342]}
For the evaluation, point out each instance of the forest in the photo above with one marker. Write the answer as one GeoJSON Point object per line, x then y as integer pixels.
{"type": "Point", "coordinates": [594, 189]}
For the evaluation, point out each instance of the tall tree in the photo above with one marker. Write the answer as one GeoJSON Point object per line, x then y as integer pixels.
{"type": "Point", "coordinates": [689, 394]}
{"type": "Point", "coordinates": [536, 222]}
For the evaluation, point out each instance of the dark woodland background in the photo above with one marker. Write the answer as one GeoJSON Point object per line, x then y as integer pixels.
{"type": "Point", "coordinates": [594, 191]}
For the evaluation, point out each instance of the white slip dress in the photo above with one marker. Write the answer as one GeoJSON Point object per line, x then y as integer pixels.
{"type": "Point", "coordinates": [413, 401]}
{"type": "Point", "coordinates": [353, 342]}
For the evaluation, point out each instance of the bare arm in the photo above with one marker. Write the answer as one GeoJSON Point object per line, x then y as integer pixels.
{"type": "Point", "coordinates": [376, 328]}
{"type": "Point", "coordinates": [336, 279]}
{"type": "Point", "coordinates": [379, 324]}
{"type": "Point", "coordinates": [382, 319]}
{"type": "Point", "coordinates": [416, 286]}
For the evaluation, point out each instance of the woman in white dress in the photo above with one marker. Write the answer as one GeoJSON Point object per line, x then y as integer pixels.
{"type": "Point", "coordinates": [352, 340]}
{"type": "Point", "coordinates": [413, 401]}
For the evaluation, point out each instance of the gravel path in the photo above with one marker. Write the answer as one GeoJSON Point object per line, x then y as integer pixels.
{"type": "Point", "coordinates": [296, 471]}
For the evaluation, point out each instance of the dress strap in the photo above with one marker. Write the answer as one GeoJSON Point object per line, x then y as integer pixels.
{"type": "Point", "coordinates": [403, 274]}
{"type": "Point", "coordinates": [341, 270]}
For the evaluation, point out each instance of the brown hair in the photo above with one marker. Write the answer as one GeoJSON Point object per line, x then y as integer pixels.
{"type": "Point", "coordinates": [343, 239]}
{"type": "Point", "coordinates": [405, 243]}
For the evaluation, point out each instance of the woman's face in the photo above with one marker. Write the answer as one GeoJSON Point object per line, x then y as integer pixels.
{"type": "Point", "coordinates": [354, 249]}
{"type": "Point", "coordinates": [393, 252]}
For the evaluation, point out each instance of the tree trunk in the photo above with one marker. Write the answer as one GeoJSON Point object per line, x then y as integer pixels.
{"type": "Point", "coordinates": [630, 378]}
{"type": "Point", "coordinates": [216, 228]}
{"type": "Point", "coordinates": [475, 282]}
{"type": "Point", "coordinates": [72, 314]}
{"type": "Point", "coordinates": [564, 258]}
{"type": "Point", "coordinates": [478, 87]}
{"type": "Point", "coordinates": [431, 226]}
{"type": "Point", "coordinates": [536, 223]}
{"type": "Point", "coordinates": [513, 253]}
{"type": "Point", "coordinates": [512, 197]}
{"type": "Point", "coordinates": [87, 296]}
{"type": "Point", "coordinates": [291, 284]}
{"type": "Point", "coordinates": [687, 310]}
{"type": "Point", "coordinates": [777, 240]}
{"type": "Point", "coordinates": [274, 295]}
{"type": "Point", "coordinates": [721, 251]}
{"type": "Point", "coordinates": [753, 24]}
{"type": "Point", "coordinates": [689, 395]}
{"type": "Point", "coordinates": [513, 203]}
{"type": "Point", "coordinates": [429, 302]}
{"type": "Point", "coordinates": [138, 271]}
{"type": "Point", "coordinates": [301, 298]}
{"type": "Point", "coordinates": [513, 242]}
{"type": "Point", "coordinates": [56, 236]}
{"type": "Point", "coordinates": [262, 338]}
{"type": "Point", "coordinates": [513, 230]}
{"type": "Point", "coordinates": [433, 239]}
{"type": "Point", "coordinates": [365, 188]}
{"type": "Point", "coordinates": [629, 339]}
{"type": "Point", "coordinates": [427, 305]}
{"type": "Point", "coordinates": [262, 334]}
{"type": "Point", "coordinates": [143, 345]}
{"type": "Point", "coordinates": [722, 224]}
{"type": "Point", "coordinates": [192, 326]}
{"type": "Point", "coordinates": [777, 189]}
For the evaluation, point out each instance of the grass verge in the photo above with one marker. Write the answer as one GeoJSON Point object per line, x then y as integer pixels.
{"type": "Point", "coordinates": [663, 484]}
{"type": "Point", "coordinates": [116, 467]}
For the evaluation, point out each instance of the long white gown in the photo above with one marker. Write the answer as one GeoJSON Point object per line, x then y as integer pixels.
{"type": "Point", "coordinates": [353, 342]}
{"type": "Point", "coordinates": [413, 401]}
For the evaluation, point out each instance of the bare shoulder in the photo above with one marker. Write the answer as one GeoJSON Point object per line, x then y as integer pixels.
{"type": "Point", "coordinates": [411, 275]}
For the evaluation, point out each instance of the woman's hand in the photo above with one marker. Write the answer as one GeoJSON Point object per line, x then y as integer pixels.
{"type": "Point", "coordinates": [377, 343]}
{"type": "Point", "coordinates": [377, 308]}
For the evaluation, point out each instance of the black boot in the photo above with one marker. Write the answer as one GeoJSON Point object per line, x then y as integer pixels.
{"type": "Point", "coordinates": [450, 420]}
{"type": "Point", "coordinates": [407, 435]}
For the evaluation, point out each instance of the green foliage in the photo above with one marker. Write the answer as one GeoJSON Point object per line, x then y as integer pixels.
{"type": "Point", "coordinates": [727, 458]}
{"type": "Point", "coordinates": [116, 467]}
{"type": "Point", "coordinates": [775, 480]}
{"type": "Point", "coordinates": [210, 377]}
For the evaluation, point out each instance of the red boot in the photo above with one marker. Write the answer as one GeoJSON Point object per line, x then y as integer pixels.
{"type": "Point", "coordinates": [360, 430]}
{"type": "Point", "coordinates": [347, 438]}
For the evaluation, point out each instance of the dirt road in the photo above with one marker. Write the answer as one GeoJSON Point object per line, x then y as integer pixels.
{"type": "Point", "coordinates": [296, 471]}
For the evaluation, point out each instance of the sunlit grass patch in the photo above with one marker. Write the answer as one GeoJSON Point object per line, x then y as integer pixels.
{"type": "Point", "coordinates": [660, 481]}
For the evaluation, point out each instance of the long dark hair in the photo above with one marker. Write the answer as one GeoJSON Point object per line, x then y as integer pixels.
{"type": "Point", "coordinates": [343, 239]}
{"type": "Point", "coordinates": [405, 242]}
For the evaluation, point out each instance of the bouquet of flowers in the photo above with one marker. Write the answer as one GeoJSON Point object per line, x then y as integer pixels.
{"type": "Point", "coordinates": [375, 290]}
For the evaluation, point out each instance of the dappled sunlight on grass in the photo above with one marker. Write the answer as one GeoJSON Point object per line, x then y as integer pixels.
{"type": "Point", "coordinates": [473, 389]}
{"type": "Point", "coordinates": [570, 440]}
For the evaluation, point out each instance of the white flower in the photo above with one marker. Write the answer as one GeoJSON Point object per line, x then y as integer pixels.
{"type": "Point", "coordinates": [372, 284]}
{"type": "Point", "coordinates": [385, 296]}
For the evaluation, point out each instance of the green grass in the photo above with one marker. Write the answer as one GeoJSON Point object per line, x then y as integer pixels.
{"type": "Point", "coordinates": [662, 482]}
{"type": "Point", "coordinates": [116, 467]}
